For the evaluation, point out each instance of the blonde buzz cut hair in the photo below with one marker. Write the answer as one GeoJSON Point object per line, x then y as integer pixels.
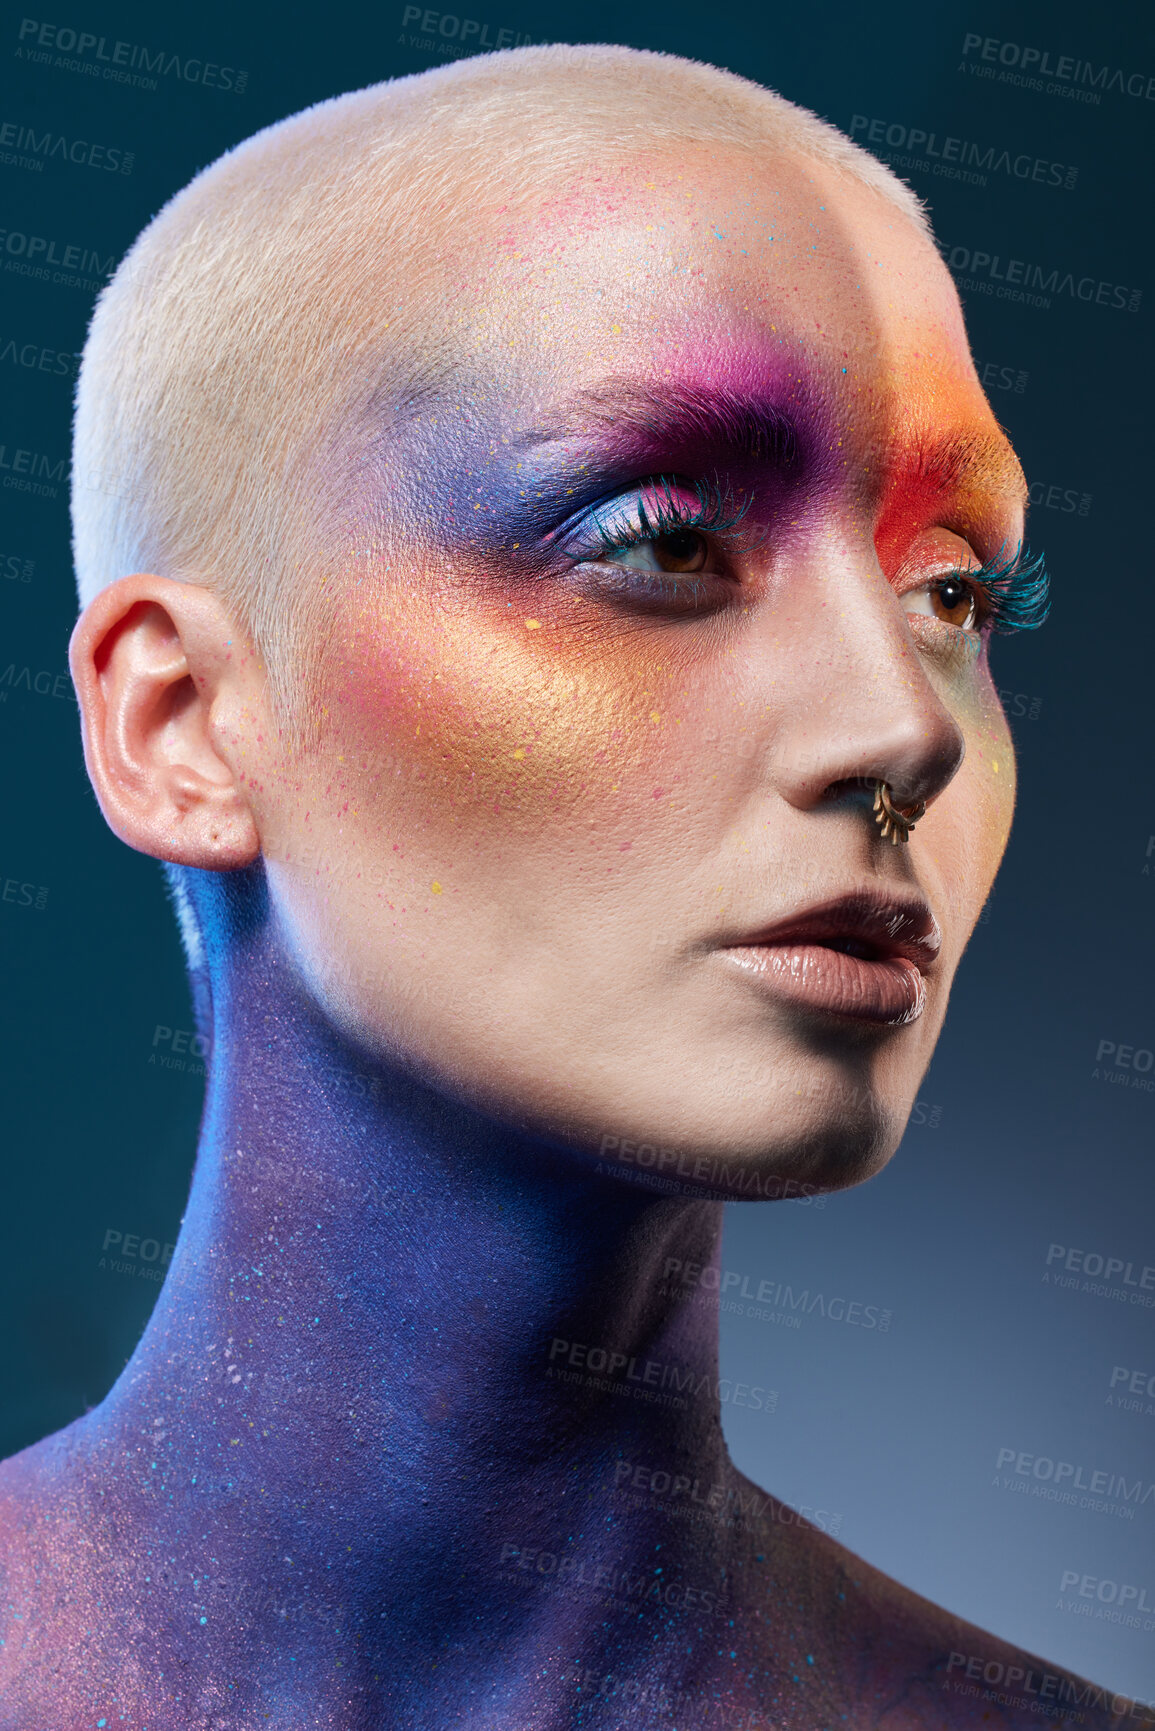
{"type": "Point", "coordinates": [250, 326]}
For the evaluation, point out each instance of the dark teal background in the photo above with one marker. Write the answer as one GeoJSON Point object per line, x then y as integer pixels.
{"type": "Point", "coordinates": [1016, 1144]}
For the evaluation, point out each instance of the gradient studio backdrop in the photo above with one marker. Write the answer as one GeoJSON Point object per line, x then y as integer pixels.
{"type": "Point", "coordinates": [1036, 1122]}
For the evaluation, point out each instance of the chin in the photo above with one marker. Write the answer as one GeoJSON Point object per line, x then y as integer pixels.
{"type": "Point", "coordinates": [788, 1154]}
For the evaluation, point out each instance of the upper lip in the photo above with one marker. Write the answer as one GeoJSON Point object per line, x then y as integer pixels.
{"type": "Point", "coordinates": [886, 927]}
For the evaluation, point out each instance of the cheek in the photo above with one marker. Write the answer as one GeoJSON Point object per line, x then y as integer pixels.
{"type": "Point", "coordinates": [491, 727]}
{"type": "Point", "coordinates": [981, 800]}
{"type": "Point", "coordinates": [992, 753]}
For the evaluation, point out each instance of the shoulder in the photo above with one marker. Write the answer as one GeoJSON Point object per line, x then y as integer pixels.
{"type": "Point", "coordinates": [905, 1664]}
{"type": "Point", "coordinates": [56, 1600]}
{"type": "Point", "coordinates": [930, 1668]}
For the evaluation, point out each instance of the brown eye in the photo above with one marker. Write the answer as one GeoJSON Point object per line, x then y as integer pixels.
{"type": "Point", "coordinates": [945, 575]}
{"type": "Point", "coordinates": [684, 550]}
{"type": "Point", "coordinates": [953, 601]}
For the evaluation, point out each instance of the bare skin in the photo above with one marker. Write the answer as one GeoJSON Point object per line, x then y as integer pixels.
{"type": "Point", "coordinates": [473, 948]}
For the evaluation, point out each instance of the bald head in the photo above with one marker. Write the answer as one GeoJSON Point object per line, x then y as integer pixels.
{"type": "Point", "coordinates": [307, 279]}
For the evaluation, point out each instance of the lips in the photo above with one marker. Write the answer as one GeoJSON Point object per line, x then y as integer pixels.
{"type": "Point", "coordinates": [863, 956]}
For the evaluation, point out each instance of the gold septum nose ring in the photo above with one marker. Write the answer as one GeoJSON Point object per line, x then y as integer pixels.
{"type": "Point", "coordinates": [895, 821]}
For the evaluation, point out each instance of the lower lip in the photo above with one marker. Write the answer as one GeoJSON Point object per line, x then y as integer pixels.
{"type": "Point", "coordinates": [890, 992]}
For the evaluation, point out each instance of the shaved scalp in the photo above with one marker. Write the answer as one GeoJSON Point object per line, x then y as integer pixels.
{"type": "Point", "coordinates": [295, 283]}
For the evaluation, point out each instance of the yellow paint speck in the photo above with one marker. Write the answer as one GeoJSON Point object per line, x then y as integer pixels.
{"type": "Point", "coordinates": [654, 716]}
{"type": "Point", "coordinates": [533, 624]}
{"type": "Point", "coordinates": [436, 888]}
{"type": "Point", "coordinates": [520, 752]}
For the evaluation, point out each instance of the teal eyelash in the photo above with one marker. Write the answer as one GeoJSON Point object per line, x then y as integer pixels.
{"type": "Point", "coordinates": [712, 514]}
{"type": "Point", "coordinates": [1016, 590]}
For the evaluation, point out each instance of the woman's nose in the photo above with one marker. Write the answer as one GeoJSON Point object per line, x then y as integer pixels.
{"type": "Point", "coordinates": [858, 704]}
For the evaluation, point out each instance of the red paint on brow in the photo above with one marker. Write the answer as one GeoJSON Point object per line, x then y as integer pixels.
{"type": "Point", "coordinates": [934, 404]}
{"type": "Point", "coordinates": [913, 503]}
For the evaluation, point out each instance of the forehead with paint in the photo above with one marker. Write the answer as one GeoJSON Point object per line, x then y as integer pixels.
{"type": "Point", "coordinates": [663, 308]}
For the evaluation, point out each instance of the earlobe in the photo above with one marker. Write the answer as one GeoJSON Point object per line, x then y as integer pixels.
{"type": "Point", "coordinates": [153, 665]}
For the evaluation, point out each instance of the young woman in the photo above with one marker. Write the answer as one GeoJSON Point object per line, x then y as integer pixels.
{"type": "Point", "coordinates": [541, 619]}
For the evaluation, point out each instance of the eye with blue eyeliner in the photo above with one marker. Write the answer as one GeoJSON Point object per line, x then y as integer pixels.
{"type": "Point", "coordinates": [666, 545]}
{"type": "Point", "coordinates": [657, 546]}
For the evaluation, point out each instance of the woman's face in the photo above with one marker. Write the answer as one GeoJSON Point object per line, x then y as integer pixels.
{"type": "Point", "coordinates": [631, 613]}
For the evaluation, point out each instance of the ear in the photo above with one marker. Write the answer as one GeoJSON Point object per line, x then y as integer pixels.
{"type": "Point", "coordinates": [166, 683]}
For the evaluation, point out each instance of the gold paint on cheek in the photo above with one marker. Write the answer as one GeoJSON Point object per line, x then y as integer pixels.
{"type": "Point", "coordinates": [456, 711]}
{"type": "Point", "coordinates": [979, 803]}
{"type": "Point", "coordinates": [990, 747]}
